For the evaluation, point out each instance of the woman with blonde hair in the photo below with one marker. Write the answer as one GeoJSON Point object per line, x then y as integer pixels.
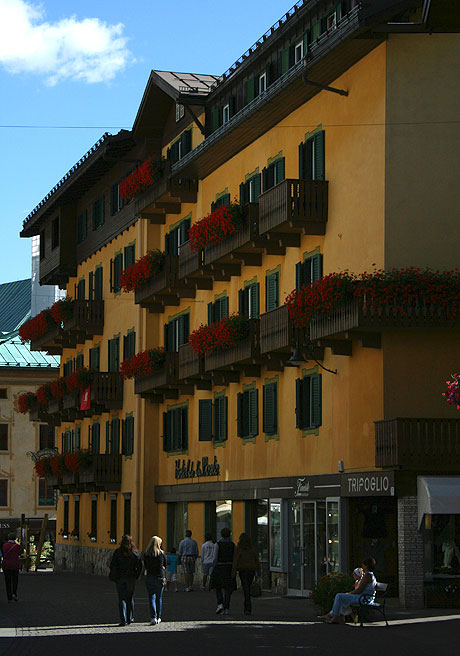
{"type": "Point", "coordinates": [155, 576]}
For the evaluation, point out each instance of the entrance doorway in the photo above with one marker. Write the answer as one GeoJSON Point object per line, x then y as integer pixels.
{"type": "Point", "coordinates": [314, 541]}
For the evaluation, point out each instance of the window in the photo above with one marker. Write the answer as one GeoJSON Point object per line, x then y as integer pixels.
{"type": "Point", "coordinates": [55, 233]}
{"type": "Point", "coordinates": [95, 438]}
{"type": "Point", "coordinates": [77, 438]}
{"type": "Point", "coordinates": [93, 518]}
{"type": "Point", "coordinates": [218, 310]}
{"type": "Point", "coordinates": [3, 393]}
{"type": "Point", "coordinates": [65, 520]}
{"type": "Point", "coordinates": [272, 291]}
{"type": "Point", "coordinates": [273, 174]}
{"type": "Point", "coordinates": [3, 437]}
{"type": "Point", "coordinates": [205, 420]}
{"type": "Point", "coordinates": [46, 437]}
{"type": "Point", "coordinates": [67, 441]}
{"type": "Point", "coordinates": [98, 277]}
{"type": "Point", "coordinates": [79, 361]}
{"type": "Point", "coordinates": [68, 367]}
{"type": "Point", "coordinates": [98, 212]}
{"type": "Point", "coordinates": [223, 200]}
{"type": "Point", "coordinates": [82, 227]}
{"type": "Point", "coordinates": [90, 286]}
{"type": "Point", "coordinates": [181, 147]}
{"type": "Point", "coordinates": [275, 535]}
{"type": "Point", "coordinates": [308, 401]}
{"type": "Point", "coordinates": [248, 300]}
{"type": "Point", "coordinates": [129, 345]}
{"type": "Point", "coordinates": [298, 52]}
{"type": "Point", "coordinates": [270, 409]}
{"type": "Point", "coordinates": [175, 429]}
{"type": "Point", "coordinates": [176, 332]}
{"type": "Point", "coordinates": [113, 518]}
{"type": "Point", "coordinates": [331, 21]}
{"type": "Point", "coordinates": [80, 290]}
{"type": "Point", "coordinates": [248, 413]}
{"type": "Point", "coordinates": [42, 244]}
{"type": "Point", "coordinates": [114, 354]}
{"type": "Point", "coordinates": [116, 267]}
{"type": "Point", "coordinates": [76, 517]}
{"type": "Point", "coordinates": [176, 237]}
{"type": "Point", "coordinates": [262, 82]}
{"type": "Point", "coordinates": [309, 271]}
{"type": "Point", "coordinates": [180, 112]}
{"type": "Point", "coordinates": [221, 115]}
{"type": "Point", "coordinates": [94, 358]}
{"type": "Point", "coordinates": [45, 493]}
{"type": "Point", "coordinates": [312, 158]}
{"type": "Point", "coordinates": [127, 447]}
{"type": "Point", "coordinates": [3, 492]}
{"type": "Point", "coordinates": [130, 255]}
{"type": "Point", "coordinates": [116, 201]}
{"type": "Point", "coordinates": [112, 436]}
{"type": "Point", "coordinates": [220, 418]}
{"type": "Point", "coordinates": [127, 515]}
{"type": "Point", "coordinates": [250, 190]}
{"type": "Point", "coordinates": [225, 114]}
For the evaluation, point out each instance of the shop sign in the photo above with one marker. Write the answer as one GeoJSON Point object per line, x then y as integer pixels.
{"type": "Point", "coordinates": [4, 525]}
{"type": "Point", "coordinates": [198, 469]}
{"type": "Point", "coordinates": [368, 484]}
{"type": "Point", "coordinates": [302, 488]}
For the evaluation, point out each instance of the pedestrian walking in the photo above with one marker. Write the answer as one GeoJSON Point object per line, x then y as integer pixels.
{"type": "Point", "coordinates": [125, 568]}
{"type": "Point", "coordinates": [11, 551]}
{"type": "Point", "coordinates": [246, 563]}
{"type": "Point", "coordinates": [171, 571]}
{"type": "Point", "coordinates": [207, 558]}
{"type": "Point", "coordinates": [221, 578]}
{"type": "Point", "coordinates": [188, 553]}
{"type": "Point", "coordinates": [155, 577]}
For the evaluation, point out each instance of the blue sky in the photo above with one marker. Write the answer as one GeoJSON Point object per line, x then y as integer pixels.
{"type": "Point", "coordinates": [81, 63]}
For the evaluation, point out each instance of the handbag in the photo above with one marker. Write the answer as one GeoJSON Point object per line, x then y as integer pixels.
{"type": "Point", "coordinates": [256, 588]}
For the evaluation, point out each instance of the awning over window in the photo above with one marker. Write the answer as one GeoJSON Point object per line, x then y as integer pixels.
{"type": "Point", "coordinates": [438, 495]}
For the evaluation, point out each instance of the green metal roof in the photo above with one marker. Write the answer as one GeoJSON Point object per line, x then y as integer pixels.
{"type": "Point", "coordinates": [15, 303]}
{"type": "Point", "coordinates": [13, 353]}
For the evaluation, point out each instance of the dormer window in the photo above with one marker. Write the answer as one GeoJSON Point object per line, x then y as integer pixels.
{"type": "Point", "coordinates": [298, 52]}
{"type": "Point", "coordinates": [262, 82]}
{"type": "Point", "coordinates": [331, 21]}
{"type": "Point", "coordinates": [225, 114]}
{"type": "Point", "coordinates": [180, 111]}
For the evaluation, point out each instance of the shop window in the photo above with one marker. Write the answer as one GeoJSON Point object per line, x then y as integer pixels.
{"type": "Point", "coordinates": [3, 492]}
{"type": "Point", "coordinates": [218, 310]}
{"type": "Point", "coordinates": [210, 518]}
{"type": "Point", "coordinates": [442, 542]}
{"type": "Point", "coordinates": [116, 268]}
{"type": "Point", "coordinates": [176, 237]}
{"type": "Point", "coordinates": [129, 345]}
{"type": "Point", "coordinates": [94, 358]}
{"type": "Point", "coordinates": [114, 354]}
{"type": "Point", "coordinates": [98, 212]}
{"type": "Point", "coordinates": [272, 291]}
{"type": "Point", "coordinates": [127, 515]}
{"type": "Point", "coordinates": [273, 174]}
{"type": "Point", "coordinates": [309, 271]}
{"type": "Point", "coordinates": [46, 437]}
{"type": "Point", "coordinates": [270, 409]}
{"type": "Point", "coordinates": [224, 516]}
{"type": "Point", "coordinates": [175, 429]}
{"type": "Point", "coordinates": [312, 157]}
{"type": "Point", "coordinates": [128, 436]}
{"type": "Point", "coordinates": [82, 227]}
{"type": "Point", "coordinates": [250, 190]}
{"type": "Point", "coordinates": [256, 526]}
{"type": "Point", "coordinates": [55, 233]}
{"type": "Point", "coordinates": [76, 517]}
{"type": "Point", "coordinates": [248, 413]}
{"type": "Point", "coordinates": [45, 493]}
{"type": "Point", "coordinates": [93, 534]}
{"type": "Point", "coordinates": [248, 301]}
{"type": "Point", "coordinates": [176, 332]}
{"type": "Point", "coordinates": [308, 401]}
{"type": "Point", "coordinates": [177, 521]}
{"type": "Point", "coordinates": [130, 255]}
{"type": "Point", "coordinates": [113, 518]}
{"type": "Point", "coordinates": [65, 519]}
{"type": "Point", "coordinates": [3, 437]}
{"type": "Point", "coordinates": [98, 281]}
{"type": "Point", "coordinates": [275, 535]}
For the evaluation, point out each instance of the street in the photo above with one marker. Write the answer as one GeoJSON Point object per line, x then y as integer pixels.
{"type": "Point", "coordinates": [75, 614]}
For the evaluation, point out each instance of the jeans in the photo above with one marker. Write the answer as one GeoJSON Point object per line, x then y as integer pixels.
{"type": "Point", "coordinates": [11, 582]}
{"type": "Point", "coordinates": [225, 597]}
{"type": "Point", "coordinates": [155, 589]}
{"type": "Point", "coordinates": [246, 578]}
{"type": "Point", "coordinates": [125, 589]}
{"type": "Point", "coordinates": [342, 602]}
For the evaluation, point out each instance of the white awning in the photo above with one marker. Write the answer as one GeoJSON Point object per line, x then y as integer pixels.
{"type": "Point", "coordinates": [438, 495]}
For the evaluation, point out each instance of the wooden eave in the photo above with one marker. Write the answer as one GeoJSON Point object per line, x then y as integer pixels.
{"type": "Point", "coordinates": [82, 180]}
{"type": "Point", "coordinates": [154, 108]}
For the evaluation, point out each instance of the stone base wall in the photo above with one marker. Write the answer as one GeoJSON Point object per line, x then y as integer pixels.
{"type": "Point", "coordinates": [88, 560]}
{"type": "Point", "coordinates": [410, 554]}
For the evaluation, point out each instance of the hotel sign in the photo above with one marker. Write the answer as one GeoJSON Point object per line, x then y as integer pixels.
{"type": "Point", "coordinates": [196, 469]}
{"type": "Point", "coordinates": [368, 484]}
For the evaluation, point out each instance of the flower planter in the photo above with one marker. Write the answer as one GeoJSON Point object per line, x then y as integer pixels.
{"type": "Point", "coordinates": [246, 351]}
{"type": "Point", "coordinates": [165, 378]}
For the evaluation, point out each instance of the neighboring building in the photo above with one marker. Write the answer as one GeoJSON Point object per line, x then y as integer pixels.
{"type": "Point", "coordinates": [337, 132]}
{"type": "Point", "coordinates": [21, 370]}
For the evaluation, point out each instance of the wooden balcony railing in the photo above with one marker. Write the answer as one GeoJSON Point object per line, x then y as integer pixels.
{"type": "Point", "coordinates": [51, 341]}
{"type": "Point", "coordinates": [104, 473]}
{"type": "Point", "coordinates": [40, 413]}
{"type": "Point", "coordinates": [190, 263]}
{"type": "Point", "coordinates": [245, 352]}
{"type": "Point", "coordinates": [166, 288]}
{"type": "Point", "coordinates": [353, 315]}
{"type": "Point", "coordinates": [191, 366]}
{"type": "Point", "coordinates": [166, 196]}
{"type": "Point", "coordinates": [107, 391]}
{"type": "Point", "coordinates": [294, 205]}
{"type": "Point", "coordinates": [87, 319]}
{"type": "Point", "coordinates": [429, 444]}
{"type": "Point", "coordinates": [276, 331]}
{"type": "Point", "coordinates": [164, 378]}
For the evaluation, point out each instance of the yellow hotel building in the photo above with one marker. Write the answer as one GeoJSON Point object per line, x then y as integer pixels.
{"type": "Point", "coordinates": [336, 132]}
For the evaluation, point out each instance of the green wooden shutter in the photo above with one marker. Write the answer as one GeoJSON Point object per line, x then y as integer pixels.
{"type": "Point", "coordinates": [98, 287]}
{"type": "Point", "coordinates": [299, 414]}
{"type": "Point", "coordinates": [114, 354]}
{"type": "Point", "coordinates": [224, 307]}
{"type": "Point", "coordinates": [113, 199]}
{"type": "Point", "coordinates": [264, 179]}
{"type": "Point", "coordinates": [256, 179]}
{"type": "Point", "coordinates": [165, 431]}
{"type": "Point", "coordinates": [309, 159]}
{"type": "Point", "coordinates": [249, 90]}
{"type": "Point", "coordinates": [279, 170]}
{"type": "Point", "coordinates": [115, 435]}
{"type": "Point", "coordinates": [243, 193]}
{"type": "Point", "coordinates": [96, 438]}
{"type": "Point", "coordinates": [302, 167]}
{"type": "Point", "coordinates": [253, 412]}
{"type": "Point", "coordinates": [272, 292]}
{"type": "Point", "coordinates": [184, 428]}
{"type": "Point", "coordinates": [298, 275]}
{"type": "Point", "coordinates": [315, 30]}
{"type": "Point", "coordinates": [306, 402]}
{"type": "Point", "coordinates": [316, 267]}
{"type": "Point", "coordinates": [102, 210]}
{"type": "Point", "coordinates": [241, 302]}
{"type": "Point", "coordinates": [214, 119]}
{"type": "Point", "coordinates": [123, 437]}
{"type": "Point", "coordinates": [319, 156]}
{"type": "Point", "coordinates": [210, 313]}
{"type": "Point", "coordinates": [338, 11]}
{"type": "Point", "coordinates": [130, 255]}
{"type": "Point", "coordinates": [306, 41]}
{"type": "Point", "coordinates": [77, 438]}
{"type": "Point", "coordinates": [130, 441]}
{"type": "Point", "coordinates": [205, 420]}
{"type": "Point", "coordinates": [316, 400]}
{"type": "Point", "coordinates": [240, 412]}
{"type": "Point", "coordinates": [108, 446]}
{"type": "Point", "coordinates": [284, 61]}
{"type": "Point", "coordinates": [270, 416]}
{"type": "Point", "coordinates": [220, 418]}
{"type": "Point", "coordinates": [90, 286]}
{"type": "Point", "coordinates": [254, 300]}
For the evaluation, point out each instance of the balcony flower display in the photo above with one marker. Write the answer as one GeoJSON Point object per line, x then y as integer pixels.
{"type": "Point", "coordinates": [36, 327]}
{"type": "Point", "coordinates": [44, 394]}
{"type": "Point", "coordinates": [219, 336]}
{"type": "Point", "coordinates": [62, 310]}
{"type": "Point", "coordinates": [143, 270]}
{"type": "Point", "coordinates": [142, 364]}
{"type": "Point", "coordinates": [78, 380]}
{"type": "Point", "coordinates": [58, 388]}
{"type": "Point", "coordinates": [57, 464]}
{"type": "Point", "coordinates": [399, 292]}
{"type": "Point", "coordinates": [143, 177]}
{"type": "Point", "coordinates": [77, 461]}
{"type": "Point", "coordinates": [26, 402]}
{"type": "Point", "coordinates": [214, 227]}
{"type": "Point", "coordinates": [42, 466]}
{"type": "Point", "coordinates": [453, 391]}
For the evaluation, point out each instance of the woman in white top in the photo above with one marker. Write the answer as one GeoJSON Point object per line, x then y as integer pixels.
{"type": "Point", "coordinates": [343, 600]}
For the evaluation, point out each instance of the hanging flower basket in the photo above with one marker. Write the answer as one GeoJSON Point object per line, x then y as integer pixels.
{"type": "Point", "coordinates": [58, 388]}
{"type": "Point", "coordinates": [143, 364]}
{"type": "Point", "coordinates": [78, 380]}
{"type": "Point", "coordinates": [146, 175]}
{"type": "Point", "coordinates": [62, 310]}
{"type": "Point", "coordinates": [44, 394]}
{"type": "Point", "coordinates": [142, 271]}
{"type": "Point", "coordinates": [219, 336]}
{"type": "Point", "coordinates": [77, 461]}
{"type": "Point", "coordinates": [212, 229]}
{"type": "Point", "coordinates": [36, 327]}
{"type": "Point", "coordinates": [26, 402]}
{"type": "Point", "coordinates": [57, 464]}
{"type": "Point", "coordinates": [42, 466]}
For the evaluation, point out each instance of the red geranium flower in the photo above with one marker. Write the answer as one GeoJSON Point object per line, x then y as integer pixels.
{"type": "Point", "coordinates": [143, 364]}
{"type": "Point", "coordinates": [214, 227]}
{"type": "Point", "coordinates": [142, 271]}
{"type": "Point", "coordinates": [219, 336]}
{"type": "Point", "coordinates": [146, 175]}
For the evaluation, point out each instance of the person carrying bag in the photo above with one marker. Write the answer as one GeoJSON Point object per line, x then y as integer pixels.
{"type": "Point", "coordinates": [246, 563]}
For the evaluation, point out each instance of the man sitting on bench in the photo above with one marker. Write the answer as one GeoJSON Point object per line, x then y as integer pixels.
{"type": "Point", "coordinates": [343, 600]}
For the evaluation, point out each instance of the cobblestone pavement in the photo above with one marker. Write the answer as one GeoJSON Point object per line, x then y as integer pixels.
{"type": "Point", "coordinates": [77, 614]}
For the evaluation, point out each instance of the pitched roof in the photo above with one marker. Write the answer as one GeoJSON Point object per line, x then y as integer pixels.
{"type": "Point", "coordinates": [13, 353]}
{"type": "Point", "coordinates": [15, 303]}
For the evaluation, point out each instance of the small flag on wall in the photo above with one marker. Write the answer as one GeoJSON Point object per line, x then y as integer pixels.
{"type": "Point", "coordinates": [85, 403]}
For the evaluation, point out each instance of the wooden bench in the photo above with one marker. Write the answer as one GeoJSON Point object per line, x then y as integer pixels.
{"type": "Point", "coordinates": [367, 604]}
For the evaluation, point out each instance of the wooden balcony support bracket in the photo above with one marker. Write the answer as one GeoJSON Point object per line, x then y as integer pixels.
{"type": "Point", "coordinates": [187, 389]}
{"type": "Point", "coordinates": [171, 393]}
{"type": "Point", "coordinates": [250, 370]}
{"type": "Point", "coordinates": [248, 259]}
{"type": "Point", "coordinates": [368, 340]}
{"type": "Point", "coordinates": [154, 398]}
{"type": "Point", "coordinates": [225, 377]}
{"type": "Point", "coordinates": [284, 239]}
{"type": "Point", "coordinates": [203, 384]}
{"type": "Point", "coordinates": [226, 269]}
{"type": "Point", "coordinates": [201, 283]}
{"type": "Point", "coordinates": [171, 299]}
{"type": "Point", "coordinates": [154, 217]}
{"type": "Point", "coordinates": [169, 207]}
{"type": "Point", "coordinates": [153, 308]}
{"type": "Point", "coordinates": [274, 248]}
{"type": "Point", "coordinates": [274, 363]}
{"type": "Point", "coordinates": [187, 291]}
{"type": "Point", "coordinates": [337, 346]}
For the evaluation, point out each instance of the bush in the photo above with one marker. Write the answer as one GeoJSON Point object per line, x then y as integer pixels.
{"type": "Point", "coordinates": [324, 591]}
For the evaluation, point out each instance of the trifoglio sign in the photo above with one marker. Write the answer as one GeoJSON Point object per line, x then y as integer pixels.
{"type": "Point", "coordinates": [368, 484]}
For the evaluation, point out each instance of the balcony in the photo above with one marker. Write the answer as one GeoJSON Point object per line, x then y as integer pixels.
{"type": "Point", "coordinates": [353, 321]}
{"type": "Point", "coordinates": [163, 383]}
{"type": "Point", "coordinates": [166, 288]}
{"type": "Point", "coordinates": [416, 444]}
{"type": "Point", "coordinates": [166, 197]}
{"type": "Point", "coordinates": [40, 413]}
{"type": "Point", "coordinates": [191, 267]}
{"type": "Point", "coordinates": [244, 357]}
{"type": "Point", "coordinates": [103, 475]}
{"type": "Point", "coordinates": [293, 207]}
{"type": "Point", "coordinates": [191, 368]}
{"type": "Point", "coordinates": [276, 337]}
{"type": "Point", "coordinates": [106, 395]}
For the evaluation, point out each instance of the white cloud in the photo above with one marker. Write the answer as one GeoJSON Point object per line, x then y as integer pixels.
{"type": "Point", "coordinates": [87, 49]}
